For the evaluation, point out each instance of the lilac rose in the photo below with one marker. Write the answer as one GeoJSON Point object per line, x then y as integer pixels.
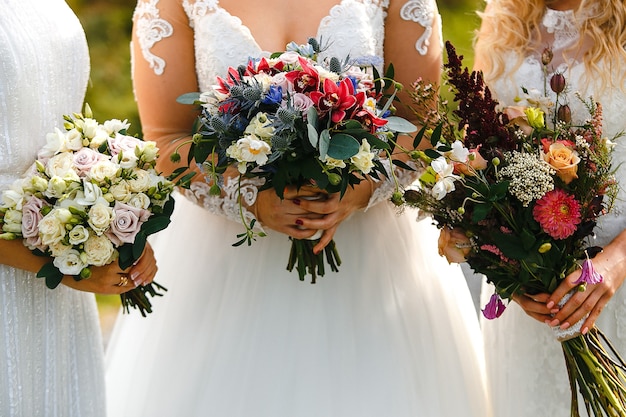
{"type": "Point", "coordinates": [31, 216]}
{"type": "Point", "coordinates": [127, 221]}
{"type": "Point", "coordinates": [85, 158]}
{"type": "Point", "coordinates": [125, 144]}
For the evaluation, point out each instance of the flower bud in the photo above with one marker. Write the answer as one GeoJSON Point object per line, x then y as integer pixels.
{"type": "Point", "coordinates": [557, 83]}
{"type": "Point", "coordinates": [411, 196]}
{"type": "Point", "coordinates": [564, 113]}
{"type": "Point", "coordinates": [85, 273]}
{"type": "Point", "coordinates": [334, 178]}
{"type": "Point", "coordinates": [495, 161]}
{"type": "Point", "coordinates": [396, 198]}
{"type": "Point", "coordinates": [545, 247]}
{"type": "Point", "coordinates": [461, 210]}
{"type": "Point", "coordinates": [546, 56]}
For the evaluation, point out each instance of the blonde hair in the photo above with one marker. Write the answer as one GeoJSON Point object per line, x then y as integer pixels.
{"type": "Point", "coordinates": [508, 25]}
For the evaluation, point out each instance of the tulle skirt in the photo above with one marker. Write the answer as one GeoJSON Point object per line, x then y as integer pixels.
{"type": "Point", "coordinates": [393, 333]}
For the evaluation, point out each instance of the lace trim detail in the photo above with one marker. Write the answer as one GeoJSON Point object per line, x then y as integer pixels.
{"type": "Point", "coordinates": [562, 23]}
{"type": "Point", "coordinates": [227, 204]}
{"type": "Point", "coordinates": [573, 331]}
{"type": "Point", "coordinates": [150, 29]}
{"type": "Point", "coordinates": [385, 188]}
{"type": "Point", "coordinates": [422, 12]}
{"type": "Point", "coordinates": [198, 8]}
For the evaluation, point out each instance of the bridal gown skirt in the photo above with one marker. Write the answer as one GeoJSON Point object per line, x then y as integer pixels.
{"type": "Point", "coordinates": [394, 333]}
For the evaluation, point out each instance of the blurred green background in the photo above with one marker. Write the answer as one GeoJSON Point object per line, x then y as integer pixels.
{"type": "Point", "coordinates": [108, 26]}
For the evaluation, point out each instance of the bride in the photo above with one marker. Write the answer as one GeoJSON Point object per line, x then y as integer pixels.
{"type": "Point", "coordinates": [392, 333]}
{"type": "Point", "coordinates": [526, 371]}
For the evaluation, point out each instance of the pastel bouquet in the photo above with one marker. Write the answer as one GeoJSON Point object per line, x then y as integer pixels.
{"type": "Point", "coordinates": [517, 193]}
{"type": "Point", "coordinates": [293, 119]}
{"type": "Point", "coordinates": [91, 197]}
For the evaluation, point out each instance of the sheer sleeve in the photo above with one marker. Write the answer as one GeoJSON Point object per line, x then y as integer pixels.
{"type": "Point", "coordinates": [413, 44]}
{"type": "Point", "coordinates": [163, 53]}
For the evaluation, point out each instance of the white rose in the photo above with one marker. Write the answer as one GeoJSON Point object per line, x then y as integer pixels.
{"type": "Point", "coordinates": [264, 79]}
{"type": "Point", "coordinates": [121, 191]}
{"type": "Point", "coordinates": [73, 140]}
{"type": "Point", "coordinates": [55, 143]}
{"type": "Point", "coordinates": [139, 200]}
{"type": "Point", "coordinates": [78, 234]}
{"type": "Point", "coordinates": [141, 182]}
{"type": "Point", "coordinates": [103, 170]}
{"type": "Point", "coordinates": [99, 250]}
{"type": "Point", "coordinates": [58, 248]}
{"type": "Point", "coordinates": [100, 217]}
{"type": "Point", "coordinates": [289, 57]}
{"type": "Point", "coordinates": [60, 165]}
{"type": "Point", "coordinates": [52, 226]}
{"type": "Point", "coordinates": [363, 159]}
{"type": "Point", "coordinates": [115, 125]}
{"type": "Point", "coordinates": [69, 262]}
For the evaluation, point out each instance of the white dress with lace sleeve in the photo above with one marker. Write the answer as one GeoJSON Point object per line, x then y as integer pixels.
{"type": "Point", "coordinates": [527, 375]}
{"type": "Point", "coordinates": [393, 333]}
{"type": "Point", "coordinates": [51, 350]}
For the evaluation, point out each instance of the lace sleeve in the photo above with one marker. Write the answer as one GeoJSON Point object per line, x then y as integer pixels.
{"type": "Point", "coordinates": [424, 13]}
{"type": "Point", "coordinates": [384, 188]}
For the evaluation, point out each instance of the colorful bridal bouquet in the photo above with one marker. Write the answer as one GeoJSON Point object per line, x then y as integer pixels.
{"type": "Point", "coordinates": [517, 193]}
{"type": "Point", "coordinates": [92, 197]}
{"type": "Point", "coordinates": [291, 119]}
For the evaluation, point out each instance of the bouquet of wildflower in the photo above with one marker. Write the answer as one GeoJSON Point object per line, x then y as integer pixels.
{"type": "Point", "coordinates": [517, 200]}
{"type": "Point", "coordinates": [91, 197]}
{"type": "Point", "coordinates": [291, 119]}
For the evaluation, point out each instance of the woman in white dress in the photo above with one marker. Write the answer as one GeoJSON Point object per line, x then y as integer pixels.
{"type": "Point", "coordinates": [52, 353]}
{"type": "Point", "coordinates": [526, 371]}
{"type": "Point", "coordinates": [393, 333]}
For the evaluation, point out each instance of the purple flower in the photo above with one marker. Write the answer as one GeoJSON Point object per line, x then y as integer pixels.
{"type": "Point", "coordinates": [126, 223]}
{"type": "Point", "coordinates": [589, 274]}
{"type": "Point", "coordinates": [494, 308]}
{"type": "Point", "coordinates": [31, 216]}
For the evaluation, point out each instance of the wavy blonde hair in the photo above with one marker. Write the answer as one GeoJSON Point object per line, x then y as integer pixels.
{"type": "Point", "coordinates": [509, 24]}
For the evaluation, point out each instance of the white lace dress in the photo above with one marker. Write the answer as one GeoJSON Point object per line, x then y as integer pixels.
{"type": "Point", "coordinates": [394, 333]}
{"type": "Point", "coordinates": [51, 349]}
{"type": "Point", "coordinates": [526, 370]}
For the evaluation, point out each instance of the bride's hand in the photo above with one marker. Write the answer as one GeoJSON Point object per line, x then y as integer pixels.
{"type": "Point", "coordinates": [535, 306]}
{"type": "Point", "coordinates": [108, 279]}
{"type": "Point", "coordinates": [332, 210]}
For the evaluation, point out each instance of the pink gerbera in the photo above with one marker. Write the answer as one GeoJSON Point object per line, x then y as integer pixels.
{"type": "Point", "coordinates": [558, 213]}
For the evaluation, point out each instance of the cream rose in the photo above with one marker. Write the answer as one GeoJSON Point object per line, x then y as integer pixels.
{"type": "Point", "coordinates": [121, 191]}
{"type": "Point", "coordinates": [52, 226]}
{"type": "Point", "coordinates": [564, 160]}
{"type": "Point", "coordinates": [100, 217]}
{"type": "Point", "coordinates": [103, 170]}
{"type": "Point", "coordinates": [61, 165]}
{"type": "Point", "coordinates": [99, 250]}
{"type": "Point", "coordinates": [454, 245]}
{"type": "Point", "coordinates": [139, 200]}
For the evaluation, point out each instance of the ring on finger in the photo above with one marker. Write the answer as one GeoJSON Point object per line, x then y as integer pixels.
{"type": "Point", "coordinates": [123, 280]}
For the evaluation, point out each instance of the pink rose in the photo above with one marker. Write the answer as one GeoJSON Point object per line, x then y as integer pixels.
{"type": "Point", "coordinates": [31, 216]}
{"type": "Point", "coordinates": [127, 221]}
{"type": "Point", "coordinates": [85, 158]}
{"type": "Point", "coordinates": [125, 144]}
{"type": "Point", "coordinates": [301, 102]}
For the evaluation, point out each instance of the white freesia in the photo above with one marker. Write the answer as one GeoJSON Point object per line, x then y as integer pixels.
{"type": "Point", "coordinates": [99, 250]}
{"type": "Point", "coordinates": [56, 187]}
{"type": "Point", "coordinates": [127, 159]}
{"type": "Point", "coordinates": [115, 125]}
{"type": "Point", "coordinates": [55, 143]}
{"type": "Point", "coordinates": [14, 196]}
{"type": "Point", "coordinates": [78, 234]}
{"type": "Point", "coordinates": [150, 152]}
{"type": "Point", "coordinates": [249, 149]}
{"type": "Point", "coordinates": [70, 262]}
{"type": "Point", "coordinates": [100, 137]}
{"type": "Point", "coordinates": [38, 184]}
{"type": "Point", "coordinates": [100, 217]}
{"type": "Point", "coordinates": [90, 127]}
{"type": "Point", "coordinates": [73, 140]}
{"type": "Point", "coordinates": [445, 177]}
{"type": "Point", "coordinates": [12, 221]}
{"type": "Point", "coordinates": [103, 170]}
{"type": "Point", "coordinates": [363, 160]}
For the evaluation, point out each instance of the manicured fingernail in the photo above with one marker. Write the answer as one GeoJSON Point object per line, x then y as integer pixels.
{"type": "Point", "coordinates": [296, 201]}
{"type": "Point", "coordinates": [564, 326]}
{"type": "Point", "coordinates": [554, 310]}
{"type": "Point", "coordinates": [554, 323]}
{"type": "Point", "coordinates": [299, 222]}
{"type": "Point", "coordinates": [134, 275]}
{"type": "Point", "coordinates": [550, 304]}
{"type": "Point", "coordinates": [585, 330]}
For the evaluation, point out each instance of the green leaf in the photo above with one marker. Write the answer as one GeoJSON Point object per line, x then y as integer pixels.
{"type": "Point", "coordinates": [324, 143]}
{"type": "Point", "coordinates": [52, 275]}
{"type": "Point", "coordinates": [432, 154]}
{"type": "Point", "coordinates": [480, 211]}
{"type": "Point", "coordinates": [313, 136]}
{"type": "Point", "coordinates": [510, 245]}
{"type": "Point", "coordinates": [188, 98]}
{"type": "Point", "coordinates": [400, 125]}
{"type": "Point", "coordinates": [418, 138]}
{"type": "Point", "coordinates": [343, 146]}
{"type": "Point", "coordinates": [436, 135]}
{"type": "Point", "coordinates": [155, 224]}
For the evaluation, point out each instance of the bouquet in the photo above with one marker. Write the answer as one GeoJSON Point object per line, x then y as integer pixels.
{"type": "Point", "coordinates": [292, 119]}
{"type": "Point", "coordinates": [91, 197]}
{"type": "Point", "coordinates": [517, 192]}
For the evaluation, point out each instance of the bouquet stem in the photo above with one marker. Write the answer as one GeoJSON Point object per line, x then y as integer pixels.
{"type": "Point", "coordinates": [302, 257]}
{"type": "Point", "coordinates": [138, 298]}
{"type": "Point", "coordinates": [597, 371]}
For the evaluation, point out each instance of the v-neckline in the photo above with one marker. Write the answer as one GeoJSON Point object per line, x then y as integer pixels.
{"type": "Point", "coordinates": [256, 43]}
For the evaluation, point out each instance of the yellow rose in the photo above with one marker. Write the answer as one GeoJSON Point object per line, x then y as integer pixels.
{"type": "Point", "coordinates": [535, 117]}
{"type": "Point", "coordinates": [454, 245]}
{"type": "Point", "coordinates": [564, 160]}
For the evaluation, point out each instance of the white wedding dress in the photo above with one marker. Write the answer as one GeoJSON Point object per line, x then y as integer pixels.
{"type": "Point", "coordinates": [393, 333]}
{"type": "Point", "coordinates": [51, 350]}
{"type": "Point", "coordinates": [526, 370]}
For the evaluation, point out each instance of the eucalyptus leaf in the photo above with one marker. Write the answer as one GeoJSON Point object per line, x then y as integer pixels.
{"type": "Point", "coordinates": [189, 98]}
{"type": "Point", "coordinates": [324, 143]}
{"type": "Point", "coordinates": [343, 146]}
{"type": "Point", "coordinates": [400, 125]}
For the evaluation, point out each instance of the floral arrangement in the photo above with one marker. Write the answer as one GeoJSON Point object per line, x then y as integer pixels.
{"type": "Point", "coordinates": [517, 200]}
{"type": "Point", "coordinates": [91, 197]}
{"type": "Point", "coordinates": [291, 119]}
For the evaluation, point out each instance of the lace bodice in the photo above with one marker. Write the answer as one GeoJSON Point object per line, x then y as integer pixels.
{"type": "Point", "coordinates": [559, 30]}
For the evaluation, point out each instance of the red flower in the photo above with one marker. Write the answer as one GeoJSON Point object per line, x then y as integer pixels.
{"type": "Point", "coordinates": [557, 213]}
{"type": "Point", "coordinates": [232, 78]}
{"type": "Point", "coordinates": [306, 80]}
{"type": "Point", "coordinates": [335, 99]}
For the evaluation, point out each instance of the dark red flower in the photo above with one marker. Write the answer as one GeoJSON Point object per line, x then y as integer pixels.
{"type": "Point", "coordinates": [335, 98]}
